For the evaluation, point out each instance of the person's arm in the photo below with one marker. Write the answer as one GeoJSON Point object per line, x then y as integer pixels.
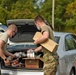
{"type": "Point", "coordinates": [6, 61]}
{"type": "Point", "coordinates": [2, 50]}
{"type": "Point", "coordinates": [43, 38]}
{"type": "Point", "coordinates": [9, 54]}
{"type": "Point", "coordinates": [38, 49]}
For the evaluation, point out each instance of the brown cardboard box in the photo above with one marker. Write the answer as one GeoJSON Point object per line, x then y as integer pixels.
{"type": "Point", "coordinates": [33, 63]}
{"type": "Point", "coordinates": [49, 44]}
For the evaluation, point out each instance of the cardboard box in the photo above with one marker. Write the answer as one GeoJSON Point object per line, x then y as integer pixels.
{"type": "Point", "coordinates": [49, 44]}
{"type": "Point", "coordinates": [33, 63]}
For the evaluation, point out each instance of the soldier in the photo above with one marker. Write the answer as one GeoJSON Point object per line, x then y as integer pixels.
{"type": "Point", "coordinates": [50, 59]}
{"type": "Point", "coordinates": [9, 33]}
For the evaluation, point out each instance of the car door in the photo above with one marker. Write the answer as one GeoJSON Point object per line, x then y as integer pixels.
{"type": "Point", "coordinates": [70, 47]}
{"type": "Point", "coordinates": [74, 38]}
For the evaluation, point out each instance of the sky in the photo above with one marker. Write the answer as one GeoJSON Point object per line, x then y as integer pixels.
{"type": "Point", "coordinates": [39, 2]}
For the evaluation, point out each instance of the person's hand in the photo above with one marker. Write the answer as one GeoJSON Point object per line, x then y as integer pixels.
{"type": "Point", "coordinates": [38, 49]}
{"type": "Point", "coordinates": [35, 42]}
{"type": "Point", "coordinates": [14, 56]}
{"type": "Point", "coordinates": [7, 62]}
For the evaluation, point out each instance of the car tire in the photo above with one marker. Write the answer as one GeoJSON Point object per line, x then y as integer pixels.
{"type": "Point", "coordinates": [72, 72]}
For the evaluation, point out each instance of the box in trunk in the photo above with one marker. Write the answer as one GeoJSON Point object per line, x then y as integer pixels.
{"type": "Point", "coordinates": [33, 63]}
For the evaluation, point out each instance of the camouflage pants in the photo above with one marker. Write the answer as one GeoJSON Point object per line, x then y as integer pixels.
{"type": "Point", "coordinates": [50, 68]}
{"type": "Point", "coordinates": [50, 64]}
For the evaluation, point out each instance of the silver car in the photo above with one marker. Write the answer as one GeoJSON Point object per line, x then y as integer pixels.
{"type": "Point", "coordinates": [67, 53]}
{"type": "Point", "coordinates": [3, 28]}
{"type": "Point", "coordinates": [23, 41]}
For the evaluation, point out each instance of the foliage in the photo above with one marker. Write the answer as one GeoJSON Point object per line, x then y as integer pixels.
{"type": "Point", "coordinates": [65, 11]}
{"type": "Point", "coordinates": [3, 15]}
{"type": "Point", "coordinates": [46, 10]}
{"type": "Point", "coordinates": [22, 9]}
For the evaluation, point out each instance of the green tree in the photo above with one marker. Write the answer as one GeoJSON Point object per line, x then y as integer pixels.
{"type": "Point", "coordinates": [71, 10]}
{"type": "Point", "coordinates": [65, 11]}
{"type": "Point", "coordinates": [7, 4]}
{"type": "Point", "coordinates": [70, 16]}
{"type": "Point", "coordinates": [23, 9]}
{"type": "Point", "coordinates": [46, 10]}
{"type": "Point", "coordinates": [3, 15]}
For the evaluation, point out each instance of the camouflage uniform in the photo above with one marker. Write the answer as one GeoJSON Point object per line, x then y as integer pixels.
{"type": "Point", "coordinates": [50, 62]}
{"type": "Point", "coordinates": [50, 59]}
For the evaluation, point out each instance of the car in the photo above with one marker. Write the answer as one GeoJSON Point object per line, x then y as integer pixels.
{"type": "Point", "coordinates": [67, 53]}
{"type": "Point", "coordinates": [22, 42]}
{"type": "Point", "coordinates": [3, 28]}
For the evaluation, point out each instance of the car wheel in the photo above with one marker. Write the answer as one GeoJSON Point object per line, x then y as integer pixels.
{"type": "Point", "coordinates": [72, 72]}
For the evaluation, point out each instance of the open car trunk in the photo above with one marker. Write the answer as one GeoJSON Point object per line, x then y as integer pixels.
{"type": "Point", "coordinates": [22, 61]}
{"type": "Point", "coordinates": [26, 31]}
{"type": "Point", "coordinates": [23, 65]}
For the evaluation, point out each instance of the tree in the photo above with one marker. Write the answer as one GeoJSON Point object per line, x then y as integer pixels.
{"type": "Point", "coordinates": [7, 4]}
{"type": "Point", "coordinates": [23, 9]}
{"type": "Point", "coordinates": [71, 10]}
{"type": "Point", "coordinates": [3, 15]}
